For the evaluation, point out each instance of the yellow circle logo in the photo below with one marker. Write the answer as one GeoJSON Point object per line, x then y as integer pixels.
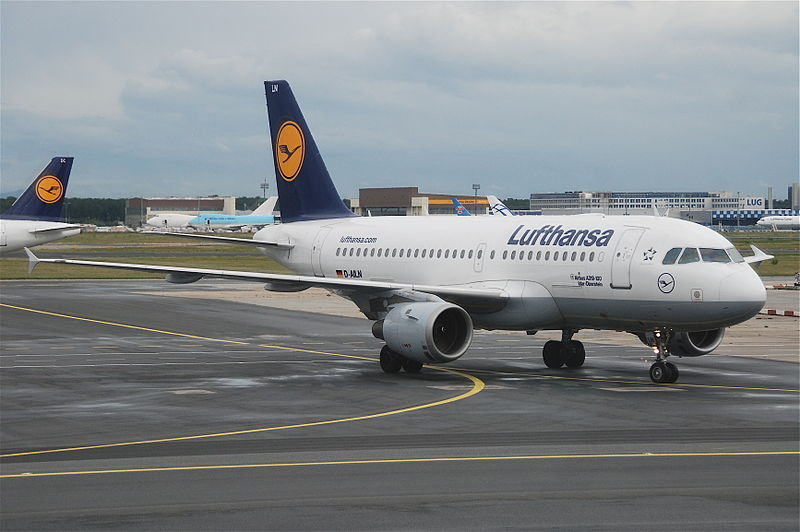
{"type": "Point", "coordinates": [49, 189]}
{"type": "Point", "coordinates": [290, 150]}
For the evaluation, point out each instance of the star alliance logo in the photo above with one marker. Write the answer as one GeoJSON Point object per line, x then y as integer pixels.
{"type": "Point", "coordinates": [649, 254]}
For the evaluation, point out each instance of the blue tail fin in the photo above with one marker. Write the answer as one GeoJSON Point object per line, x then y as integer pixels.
{"type": "Point", "coordinates": [305, 188]}
{"type": "Point", "coordinates": [44, 198]}
{"type": "Point", "coordinates": [460, 209]}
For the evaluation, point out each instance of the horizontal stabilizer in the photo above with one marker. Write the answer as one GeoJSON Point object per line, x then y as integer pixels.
{"type": "Point", "coordinates": [228, 240]}
{"type": "Point", "coordinates": [59, 227]}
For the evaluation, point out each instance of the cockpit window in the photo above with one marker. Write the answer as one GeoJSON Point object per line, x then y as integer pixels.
{"type": "Point", "coordinates": [735, 255]}
{"type": "Point", "coordinates": [689, 255]}
{"type": "Point", "coordinates": [671, 256]}
{"type": "Point", "coordinates": [714, 255]}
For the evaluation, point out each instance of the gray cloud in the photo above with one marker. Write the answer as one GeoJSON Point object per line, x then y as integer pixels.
{"type": "Point", "coordinates": [166, 98]}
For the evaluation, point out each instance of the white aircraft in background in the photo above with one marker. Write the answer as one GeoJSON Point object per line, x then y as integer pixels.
{"type": "Point", "coordinates": [263, 215]}
{"type": "Point", "coordinates": [497, 207]}
{"type": "Point", "coordinates": [34, 218]}
{"type": "Point", "coordinates": [780, 222]}
{"type": "Point", "coordinates": [427, 282]}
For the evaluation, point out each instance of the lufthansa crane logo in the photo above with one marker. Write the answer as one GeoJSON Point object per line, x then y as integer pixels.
{"type": "Point", "coordinates": [290, 150]}
{"type": "Point", "coordinates": [49, 189]}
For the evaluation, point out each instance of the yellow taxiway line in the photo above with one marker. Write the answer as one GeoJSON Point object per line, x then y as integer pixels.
{"type": "Point", "coordinates": [409, 461]}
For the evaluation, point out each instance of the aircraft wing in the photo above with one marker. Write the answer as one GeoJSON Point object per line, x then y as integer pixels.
{"type": "Point", "coordinates": [283, 282]}
{"type": "Point", "coordinates": [757, 256]}
{"type": "Point", "coordinates": [61, 227]}
{"type": "Point", "coordinates": [228, 240]}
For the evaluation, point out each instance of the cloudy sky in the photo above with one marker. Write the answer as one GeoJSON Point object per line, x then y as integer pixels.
{"type": "Point", "coordinates": [156, 98]}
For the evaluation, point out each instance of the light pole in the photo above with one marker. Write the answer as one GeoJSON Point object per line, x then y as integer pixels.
{"type": "Point", "coordinates": [476, 187]}
{"type": "Point", "coordinates": [738, 211]}
{"type": "Point", "coordinates": [265, 187]}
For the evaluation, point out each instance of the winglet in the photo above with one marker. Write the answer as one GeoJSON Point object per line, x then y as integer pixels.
{"type": "Point", "coordinates": [33, 260]}
{"type": "Point", "coordinates": [757, 256]}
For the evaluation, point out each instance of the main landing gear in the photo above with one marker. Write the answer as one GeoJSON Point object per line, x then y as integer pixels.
{"type": "Point", "coordinates": [567, 352]}
{"type": "Point", "coordinates": [392, 362]}
{"type": "Point", "coordinates": [662, 372]}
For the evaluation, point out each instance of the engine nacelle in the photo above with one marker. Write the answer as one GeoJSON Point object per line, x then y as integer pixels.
{"type": "Point", "coordinates": [434, 331]}
{"type": "Point", "coordinates": [694, 344]}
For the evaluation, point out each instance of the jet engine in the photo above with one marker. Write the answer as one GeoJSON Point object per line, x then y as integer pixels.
{"type": "Point", "coordinates": [694, 344]}
{"type": "Point", "coordinates": [426, 331]}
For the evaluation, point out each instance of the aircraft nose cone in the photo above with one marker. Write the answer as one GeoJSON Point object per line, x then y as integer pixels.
{"type": "Point", "coordinates": [744, 291]}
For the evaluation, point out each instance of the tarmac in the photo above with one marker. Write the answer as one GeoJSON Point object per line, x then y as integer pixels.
{"type": "Point", "coordinates": [136, 405]}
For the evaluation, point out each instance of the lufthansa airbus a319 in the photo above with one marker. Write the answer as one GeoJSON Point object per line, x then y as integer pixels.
{"type": "Point", "coordinates": [428, 282]}
{"type": "Point", "coordinates": [35, 217]}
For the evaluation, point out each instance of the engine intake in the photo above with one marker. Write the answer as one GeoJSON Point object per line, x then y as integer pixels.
{"type": "Point", "coordinates": [694, 344]}
{"type": "Point", "coordinates": [426, 331]}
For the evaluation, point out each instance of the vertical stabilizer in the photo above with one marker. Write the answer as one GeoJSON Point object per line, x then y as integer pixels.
{"type": "Point", "coordinates": [266, 208]}
{"type": "Point", "coordinates": [44, 198]}
{"type": "Point", "coordinates": [305, 188]}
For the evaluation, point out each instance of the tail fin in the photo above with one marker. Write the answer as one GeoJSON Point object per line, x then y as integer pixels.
{"type": "Point", "coordinates": [305, 188]}
{"type": "Point", "coordinates": [266, 208]}
{"type": "Point", "coordinates": [498, 207]}
{"type": "Point", "coordinates": [460, 209]}
{"type": "Point", "coordinates": [44, 198]}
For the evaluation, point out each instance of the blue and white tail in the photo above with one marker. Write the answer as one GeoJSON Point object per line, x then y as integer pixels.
{"type": "Point", "coordinates": [44, 198]}
{"type": "Point", "coordinates": [305, 188]}
{"type": "Point", "coordinates": [460, 209]}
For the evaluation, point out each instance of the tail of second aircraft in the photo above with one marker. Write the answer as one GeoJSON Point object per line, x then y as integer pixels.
{"type": "Point", "coordinates": [44, 198]}
{"type": "Point", "coordinates": [305, 188]}
{"type": "Point", "coordinates": [460, 209]}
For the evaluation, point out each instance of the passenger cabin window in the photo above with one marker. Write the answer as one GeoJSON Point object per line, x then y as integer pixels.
{"type": "Point", "coordinates": [671, 256]}
{"type": "Point", "coordinates": [714, 255]}
{"type": "Point", "coordinates": [689, 255]}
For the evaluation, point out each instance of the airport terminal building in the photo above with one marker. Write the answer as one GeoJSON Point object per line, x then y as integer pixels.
{"type": "Point", "coordinates": [703, 207]}
{"type": "Point", "coordinates": [409, 201]}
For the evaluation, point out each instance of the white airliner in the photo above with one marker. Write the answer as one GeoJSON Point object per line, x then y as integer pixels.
{"type": "Point", "coordinates": [427, 282]}
{"type": "Point", "coordinates": [780, 222]}
{"type": "Point", "coordinates": [263, 215]}
{"type": "Point", "coordinates": [34, 217]}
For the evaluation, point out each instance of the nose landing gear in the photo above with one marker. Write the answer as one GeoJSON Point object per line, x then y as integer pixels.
{"type": "Point", "coordinates": [662, 372]}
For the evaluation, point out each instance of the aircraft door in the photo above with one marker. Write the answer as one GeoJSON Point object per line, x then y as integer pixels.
{"type": "Point", "coordinates": [621, 262]}
{"type": "Point", "coordinates": [316, 252]}
{"type": "Point", "coordinates": [480, 254]}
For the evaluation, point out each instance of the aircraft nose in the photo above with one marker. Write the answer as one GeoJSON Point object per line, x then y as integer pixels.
{"type": "Point", "coordinates": [744, 290]}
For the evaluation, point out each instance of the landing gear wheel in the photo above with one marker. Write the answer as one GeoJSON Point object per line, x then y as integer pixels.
{"type": "Point", "coordinates": [660, 373]}
{"type": "Point", "coordinates": [673, 369]}
{"type": "Point", "coordinates": [391, 362]}
{"type": "Point", "coordinates": [411, 366]}
{"type": "Point", "coordinates": [575, 354]}
{"type": "Point", "coordinates": [553, 354]}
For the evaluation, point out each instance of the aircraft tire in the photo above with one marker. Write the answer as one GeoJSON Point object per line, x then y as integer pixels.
{"type": "Point", "coordinates": [673, 370]}
{"type": "Point", "coordinates": [575, 354]}
{"type": "Point", "coordinates": [553, 354]}
{"type": "Point", "coordinates": [411, 366]}
{"type": "Point", "coordinates": [660, 373]}
{"type": "Point", "coordinates": [391, 362]}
